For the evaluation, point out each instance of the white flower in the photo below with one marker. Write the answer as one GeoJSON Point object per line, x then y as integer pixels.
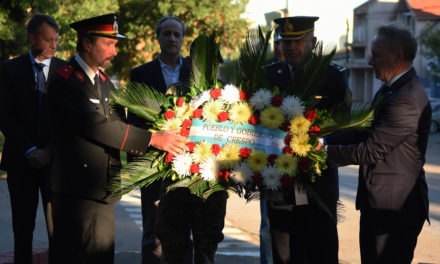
{"type": "Point", "coordinates": [230, 94]}
{"type": "Point", "coordinates": [200, 99]}
{"type": "Point", "coordinates": [182, 164]}
{"type": "Point", "coordinates": [271, 177]}
{"type": "Point", "coordinates": [292, 106]}
{"type": "Point", "coordinates": [241, 173]}
{"type": "Point", "coordinates": [260, 99]}
{"type": "Point", "coordinates": [209, 169]}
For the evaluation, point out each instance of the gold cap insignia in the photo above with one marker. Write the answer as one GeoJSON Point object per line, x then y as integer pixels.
{"type": "Point", "coordinates": [288, 27]}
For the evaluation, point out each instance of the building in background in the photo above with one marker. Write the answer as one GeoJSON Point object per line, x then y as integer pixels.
{"type": "Point", "coordinates": [415, 15]}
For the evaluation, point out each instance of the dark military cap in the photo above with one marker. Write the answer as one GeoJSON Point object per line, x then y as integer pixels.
{"type": "Point", "coordinates": [105, 25]}
{"type": "Point", "coordinates": [296, 27]}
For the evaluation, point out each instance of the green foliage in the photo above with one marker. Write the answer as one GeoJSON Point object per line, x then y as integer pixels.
{"type": "Point", "coordinates": [252, 61]}
{"type": "Point", "coordinates": [204, 64]}
{"type": "Point", "coordinates": [140, 99]}
{"type": "Point", "coordinates": [199, 17]}
{"type": "Point", "coordinates": [431, 41]}
{"type": "Point", "coordinates": [15, 14]}
{"type": "Point", "coordinates": [309, 74]}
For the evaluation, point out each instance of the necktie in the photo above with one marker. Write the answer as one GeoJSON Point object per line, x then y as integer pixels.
{"type": "Point", "coordinates": [41, 85]}
{"type": "Point", "coordinates": [41, 79]}
{"type": "Point", "coordinates": [97, 84]}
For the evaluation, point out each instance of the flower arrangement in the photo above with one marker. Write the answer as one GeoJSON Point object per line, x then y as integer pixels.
{"type": "Point", "coordinates": [235, 164]}
{"type": "Point", "coordinates": [277, 151]}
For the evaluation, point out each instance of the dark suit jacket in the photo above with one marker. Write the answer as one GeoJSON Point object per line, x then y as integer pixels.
{"type": "Point", "coordinates": [334, 91]}
{"type": "Point", "coordinates": [151, 74]}
{"type": "Point", "coordinates": [391, 158]}
{"type": "Point", "coordinates": [88, 136]}
{"type": "Point", "coordinates": [20, 119]}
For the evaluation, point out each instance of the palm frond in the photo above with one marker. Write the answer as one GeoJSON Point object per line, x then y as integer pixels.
{"type": "Point", "coordinates": [217, 187]}
{"type": "Point", "coordinates": [251, 64]}
{"type": "Point", "coordinates": [360, 116]}
{"type": "Point", "coordinates": [309, 74]}
{"type": "Point", "coordinates": [204, 64]}
{"type": "Point", "coordinates": [140, 99]}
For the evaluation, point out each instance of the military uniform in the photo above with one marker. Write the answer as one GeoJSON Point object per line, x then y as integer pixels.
{"type": "Point", "coordinates": [306, 233]}
{"type": "Point", "coordinates": [87, 141]}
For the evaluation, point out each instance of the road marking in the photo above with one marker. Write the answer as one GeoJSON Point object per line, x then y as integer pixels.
{"type": "Point", "coordinates": [235, 243]}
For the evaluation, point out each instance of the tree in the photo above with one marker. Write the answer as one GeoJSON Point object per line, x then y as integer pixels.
{"type": "Point", "coordinates": [431, 41]}
{"type": "Point", "coordinates": [15, 14]}
{"type": "Point", "coordinates": [139, 19]}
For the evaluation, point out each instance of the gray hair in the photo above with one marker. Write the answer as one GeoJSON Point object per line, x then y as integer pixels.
{"type": "Point", "coordinates": [399, 39]}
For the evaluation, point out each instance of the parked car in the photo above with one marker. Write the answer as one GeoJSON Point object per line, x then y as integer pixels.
{"type": "Point", "coordinates": [435, 119]}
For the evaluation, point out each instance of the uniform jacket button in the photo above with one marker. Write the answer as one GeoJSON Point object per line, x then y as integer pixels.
{"type": "Point", "coordinates": [85, 165]}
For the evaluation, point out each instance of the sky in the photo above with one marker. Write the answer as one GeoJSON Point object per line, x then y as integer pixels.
{"type": "Point", "coordinates": [332, 14]}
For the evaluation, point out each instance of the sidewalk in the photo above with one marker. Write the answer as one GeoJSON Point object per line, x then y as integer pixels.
{"type": "Point", "coordinates": [247, 217]}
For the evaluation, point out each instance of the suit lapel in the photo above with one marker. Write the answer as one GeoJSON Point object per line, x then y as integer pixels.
{"type": "Point", "coordinates": [160, 79]}
{"type": "Point", "coordinates": [184, 71]}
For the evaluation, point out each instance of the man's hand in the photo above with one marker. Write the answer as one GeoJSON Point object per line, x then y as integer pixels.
{"type": "Point", "coordinates": [169, 141]}
{"type": "Point", "coordinates": [39, 158]}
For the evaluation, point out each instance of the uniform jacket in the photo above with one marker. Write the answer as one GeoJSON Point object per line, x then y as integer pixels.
{"type": "Point", "coordinates": [22, 122]}
{"type": "Point", "coordinates": [88, 137]}
{"type": "Point", "coordinates": [151, 74]}
{"type": "Point", "coordinates": [334, 91]}
{"type": "Point", "coordinates": [391, 158]}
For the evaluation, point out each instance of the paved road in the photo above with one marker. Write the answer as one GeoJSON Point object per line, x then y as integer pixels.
{"type": "Point", "coordinates": [242, 223]}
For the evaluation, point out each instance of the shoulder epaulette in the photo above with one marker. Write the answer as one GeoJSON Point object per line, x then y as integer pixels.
{"type": "Point", "coordinates": [337, 67]}
{"type": "Point", "coordinates": [65, 71]}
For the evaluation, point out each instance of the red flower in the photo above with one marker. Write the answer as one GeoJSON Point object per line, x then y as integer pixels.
{"type": "Point", "coordinates": [169, 157]}
{"type": "Point", "coordinates": [314, 130]}
{"type": "Point", "coordinates": [245, 152]}
{"type": "Point", "coordinates": [194, 168]}
{"type": "Point", "coordinates": [180, 102]}
{"type": "Point", "coordinates": [245, 95]}
{"type": "Point", "coordinates": [187, 123]}
{"type": "Point", "coordinates": [254, 120]}
{"type": "Point", "coordinates": [215, 149]}
{"type": "Point", "coordinates": [287, 150]}
{"type": "Point", "coordinates": [303, 163]}
{"type": "Point", "coordinates": [310, 115]}
{"type": "Point", "coordinates": [223, 174]}
{"type": "Point", "coordinates": [190, 145]}
{"type": "Point", "coordinates": [169, 114]}
{"type": "Point", "coordinates": [276, 100]}
{"type": "Point", "coordinates": [215, 93]}
{"type": "Point", "coordinates": [197, 113]}
{"type": "Point", "coordinates": [184, 132]}
{"type": "Point", "coordinates": [286, 181]}
{"type": "Point", "coordinates": [223, 116]}
{"type": "Point", "coordinates": [285, 126]}
{"type": "Point", "coordinates": [271, 159]}
{"type": "Point", "coordinates": [288, 139]}
{"type": "Point", "coordinates": [258, 178]}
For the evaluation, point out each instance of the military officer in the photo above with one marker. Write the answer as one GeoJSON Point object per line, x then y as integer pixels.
{"type": "Point", "coordinates": [302, 232]}
{"type": "Point", "coordinates": [88, 138]}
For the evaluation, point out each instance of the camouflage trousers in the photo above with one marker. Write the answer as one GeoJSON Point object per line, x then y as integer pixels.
{"type": "Point", "coordinates": [182, 213]}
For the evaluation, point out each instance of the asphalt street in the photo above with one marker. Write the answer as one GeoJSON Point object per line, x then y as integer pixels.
{"type": "Point", "coordinates": [242, 222]}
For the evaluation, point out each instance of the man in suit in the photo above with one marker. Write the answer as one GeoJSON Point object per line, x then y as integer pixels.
{"type": "Point", "coordinates": [167, 69]}
{"type": "Point", "coordinates": [302, 232]}
{"type": "Point", "coordinates": [88, 138]}
{"type": "Point", "coordinates": [24, 122]}
{"type": "Point", "coordinates": [392, 193]}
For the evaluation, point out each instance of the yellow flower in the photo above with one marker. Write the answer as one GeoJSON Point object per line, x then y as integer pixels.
{"type": "Point", "coordinates": [211, 109]}
{"type": "Point", "coordinates": [300, 144]}
{"type": "Point", "coordinates": [287, 164]}
{"type": "Point", "coordinates": [257, 160]}
{"type": "Point", "coordinates": [229, 156]}
{"type": "Point", "coordinates": [299, 125]}
{"type": "Point", "coordinates": [172, 124]}
{"type": "Point", "coordinates": [272, 117]}
{"type": "Point", "coordinates": [184, 112]}
{"type": "Point", "coordinates": [240, 113]}
{"type": "Point", "coordinates": [201, 152]}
